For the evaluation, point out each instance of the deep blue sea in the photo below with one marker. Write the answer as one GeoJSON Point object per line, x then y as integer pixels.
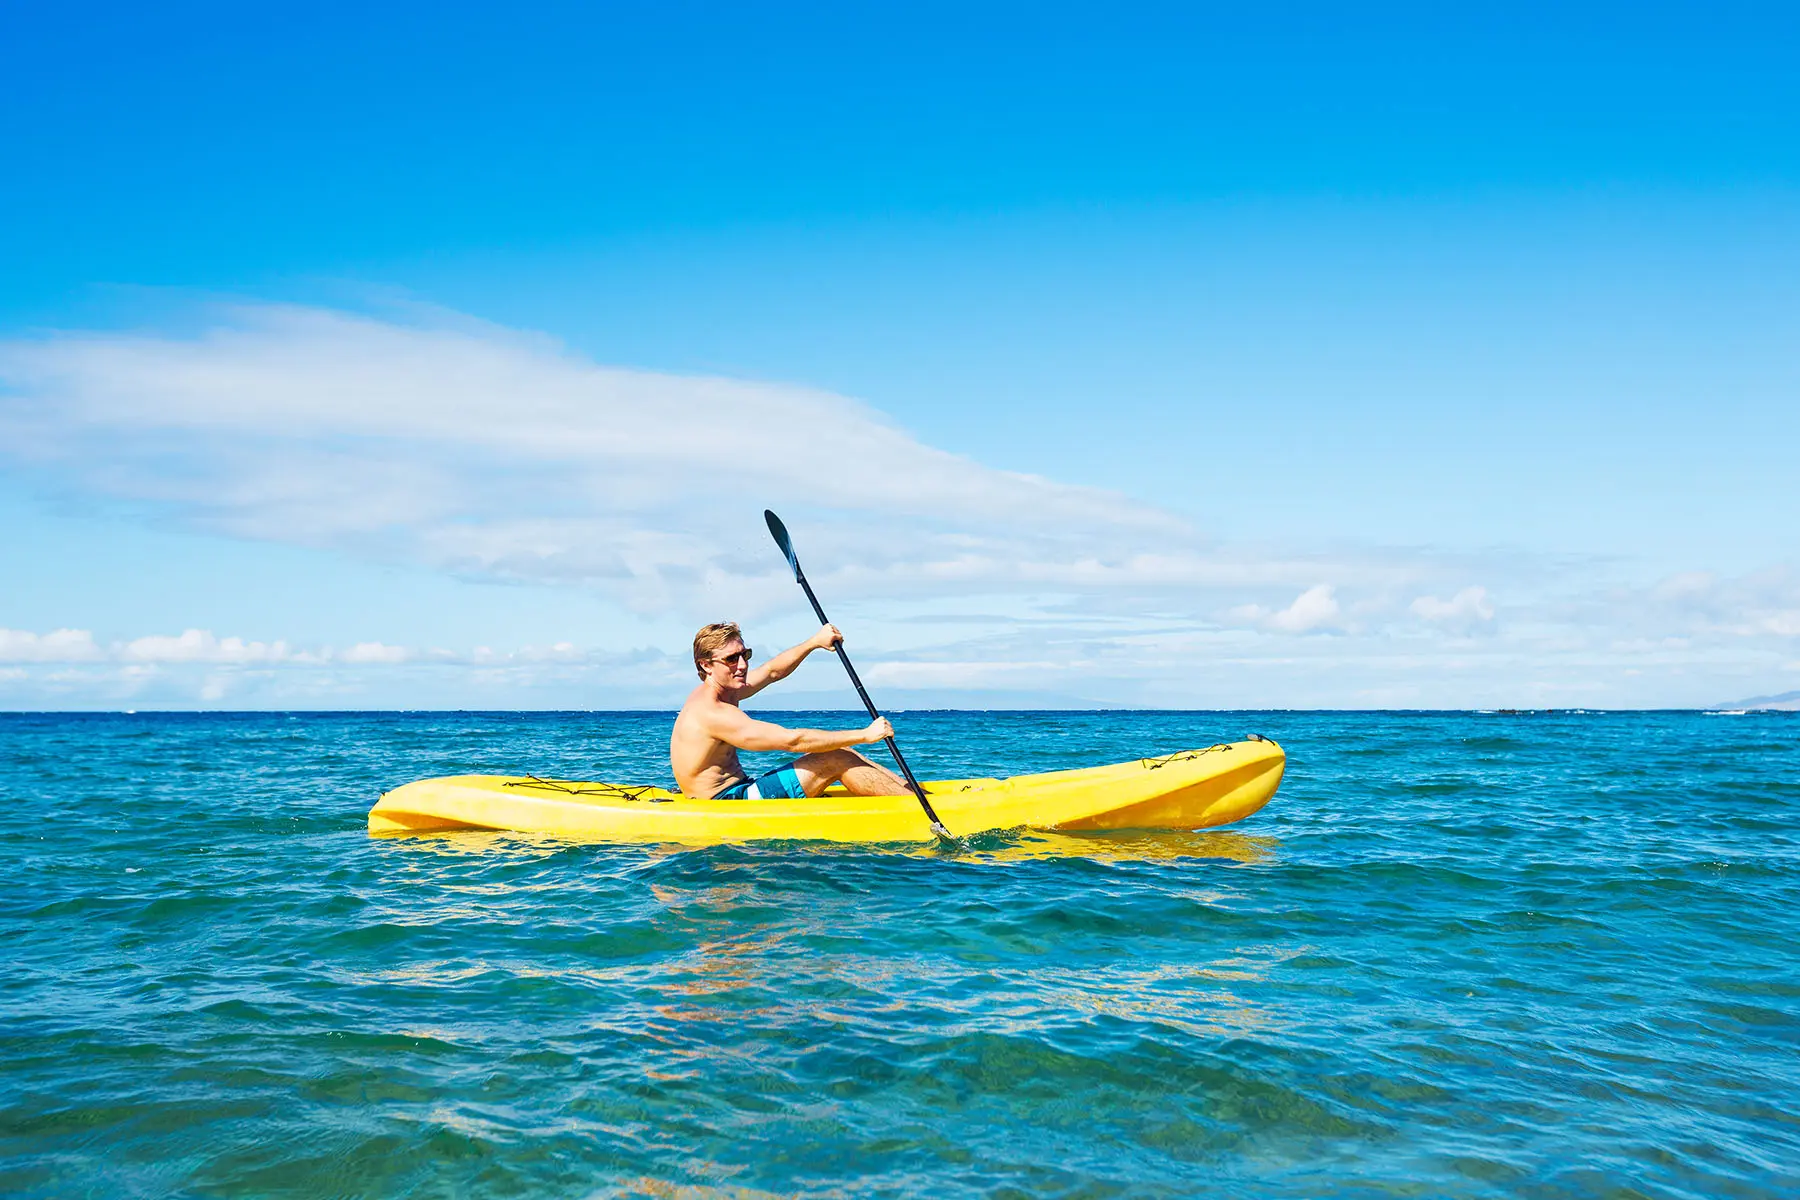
{"type": "Point", "coordinates": [1458, 955]}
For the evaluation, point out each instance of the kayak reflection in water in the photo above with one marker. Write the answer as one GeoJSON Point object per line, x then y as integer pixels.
{"type": "Point", "coordinates": [711, 729]}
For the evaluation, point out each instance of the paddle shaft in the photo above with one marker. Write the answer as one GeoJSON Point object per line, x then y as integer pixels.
{"type": "Point", "coordinates": [893, 746]}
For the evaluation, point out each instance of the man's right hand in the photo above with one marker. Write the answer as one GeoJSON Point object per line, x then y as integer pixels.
{"type": "Point", "coordinates": [880, 729]}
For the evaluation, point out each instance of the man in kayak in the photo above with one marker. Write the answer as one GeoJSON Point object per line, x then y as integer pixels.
{"type": "Point", "coordinates": [712, 729]}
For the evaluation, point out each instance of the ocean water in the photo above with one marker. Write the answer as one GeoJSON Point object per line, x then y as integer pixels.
{"type": "Point", "coordinates": [1458, 955]}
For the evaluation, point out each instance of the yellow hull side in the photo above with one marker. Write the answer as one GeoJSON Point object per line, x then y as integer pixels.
{"type": "Point", "coordinates": [1196, 789]}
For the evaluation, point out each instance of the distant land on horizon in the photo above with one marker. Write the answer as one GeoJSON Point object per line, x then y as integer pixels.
{"type": "Point", "coordinates": [1783, 702]}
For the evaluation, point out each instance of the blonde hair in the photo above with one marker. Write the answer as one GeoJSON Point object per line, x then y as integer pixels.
{"type": "Point", "coordinates": [710, 640]}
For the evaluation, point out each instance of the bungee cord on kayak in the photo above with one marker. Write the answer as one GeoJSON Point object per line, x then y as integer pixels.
{"type": "Point", "coordinates": [1153, 764]}
{"type": "Point", "coordinates": [614, 791]}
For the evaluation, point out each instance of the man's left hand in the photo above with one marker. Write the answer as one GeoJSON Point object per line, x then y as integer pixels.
{"type": "Point", "coordinates": [827, 638]}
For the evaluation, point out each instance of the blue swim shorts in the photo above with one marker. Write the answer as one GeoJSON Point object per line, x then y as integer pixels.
{"type": "Point", "coordinates": [783, 783]}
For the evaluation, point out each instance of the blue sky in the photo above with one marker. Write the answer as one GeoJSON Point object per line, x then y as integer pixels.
{"type": "Point", "coordinates": [447, 356]}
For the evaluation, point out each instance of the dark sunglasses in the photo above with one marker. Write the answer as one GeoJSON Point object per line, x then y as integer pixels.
{"type": "Point", "coordinates": [728, 659]}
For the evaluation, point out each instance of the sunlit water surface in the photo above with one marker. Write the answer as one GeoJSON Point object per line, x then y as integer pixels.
{"type": "Point", "coordinates": [1458, 955]}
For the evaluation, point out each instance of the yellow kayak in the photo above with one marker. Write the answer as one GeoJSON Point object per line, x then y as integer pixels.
{"type": "Point", "coordinates": [1194, 789]}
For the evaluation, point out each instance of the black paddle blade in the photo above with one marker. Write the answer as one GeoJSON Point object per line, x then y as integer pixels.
{"type": "Point", "coordinates": [780, 533]}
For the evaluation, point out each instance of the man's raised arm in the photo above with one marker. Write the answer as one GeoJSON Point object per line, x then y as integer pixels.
{"type": "Point", "coordinates": [783, 664]}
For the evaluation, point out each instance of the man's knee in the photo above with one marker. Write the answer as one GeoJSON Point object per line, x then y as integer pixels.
{"type": "Point", "coordinates": [833, 763]}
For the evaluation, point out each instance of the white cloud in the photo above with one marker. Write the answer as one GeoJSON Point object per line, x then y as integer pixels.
{"type": "Point", "coordinates": [375, 652]}
{"type": "Point", "coordinates": [1465, 610]}
{"type": "Point", "coordinates": [62, 645]}
{"type": "Point", "coordinates": [200, 646]}
{"type": "Point", "coordinates": [1314, 608]}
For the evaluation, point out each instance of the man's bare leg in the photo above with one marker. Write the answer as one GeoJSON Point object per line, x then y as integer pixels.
{"type": "Point", "coordinates": [859, 776]}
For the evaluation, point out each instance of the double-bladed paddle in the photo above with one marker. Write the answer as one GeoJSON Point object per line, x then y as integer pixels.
{"type": "Point", "coordinates": [787, 548]}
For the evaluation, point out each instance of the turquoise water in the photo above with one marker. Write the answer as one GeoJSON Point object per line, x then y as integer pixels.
{"type": "Point", "coordinates": [1458, 955]}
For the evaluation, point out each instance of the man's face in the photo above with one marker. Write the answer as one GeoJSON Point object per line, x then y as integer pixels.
{"type": "Point", "coordinates": [730, 666]}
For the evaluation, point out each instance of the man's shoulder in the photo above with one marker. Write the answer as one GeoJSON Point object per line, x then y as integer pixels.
{"type": "Point", "coordinates": [701, 703]}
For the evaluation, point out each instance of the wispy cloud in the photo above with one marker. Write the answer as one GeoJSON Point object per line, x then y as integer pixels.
{"type": "Point", "coordinates": [480, 450]}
